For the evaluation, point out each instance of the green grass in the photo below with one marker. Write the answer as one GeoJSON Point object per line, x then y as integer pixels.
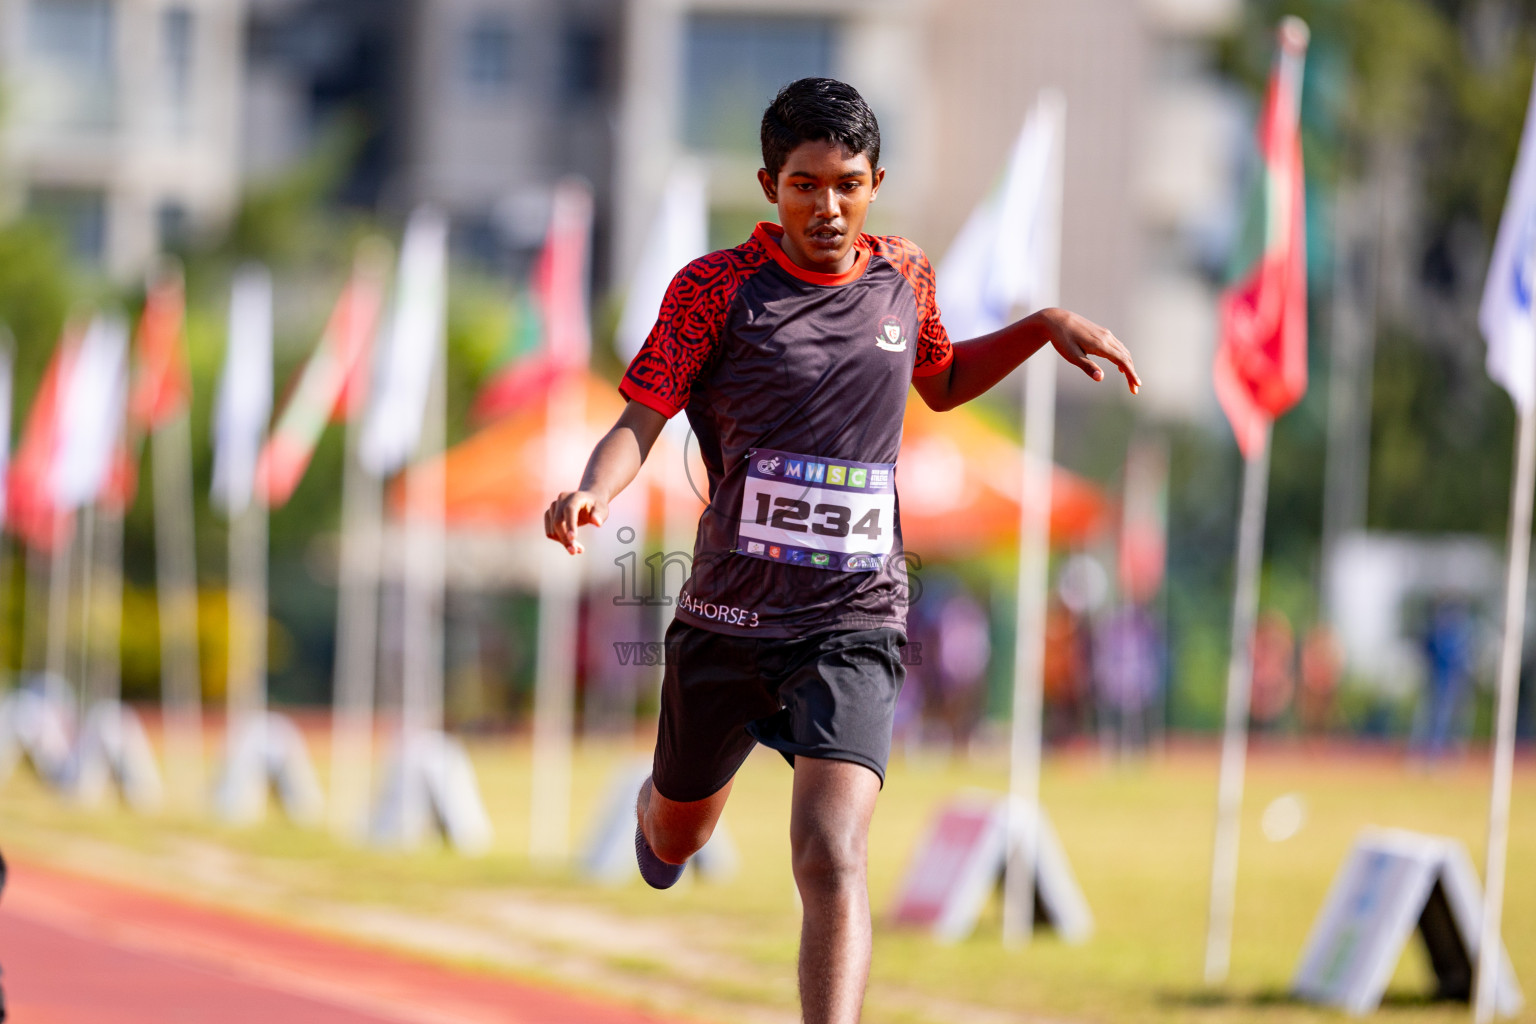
{"type": "Point", "coordinates": [1138, 837]}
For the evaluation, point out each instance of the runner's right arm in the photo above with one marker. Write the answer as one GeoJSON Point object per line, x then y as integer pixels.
{"type": "Point", "coordinates": [613, 465]}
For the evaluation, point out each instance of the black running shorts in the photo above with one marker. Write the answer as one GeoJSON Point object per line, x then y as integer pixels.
{"type": "Point", "coordinates": [828, 696]}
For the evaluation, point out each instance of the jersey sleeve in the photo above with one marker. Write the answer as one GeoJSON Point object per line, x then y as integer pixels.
{"type": "Point", "coordinates": [687, 334]}
{"type": "Point", "coordinates": [934, 350]}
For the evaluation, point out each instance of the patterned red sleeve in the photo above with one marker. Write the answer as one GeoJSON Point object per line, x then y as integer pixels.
{"type": "Point", "coordinates": [689, 329]}
{"type": "Point", "coordinates": [934, 350]}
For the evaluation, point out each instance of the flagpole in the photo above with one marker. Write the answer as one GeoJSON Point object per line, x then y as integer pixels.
{"type": "Point", "coordinates": [1024, 816]}
{"type": "Point", "coordinates": [34, 632]}
{"type": "Point", "coordinates": [107, 631]}
{"type": "Point", "coordinates": [245, 698]}
{"type": "Point", "coordinates": [554, 673]}
{"type": "Point", "coordinates": [1489, 947]}
{"type": "Point", "coordinates": [1029, 650]}
{"type": "Point", "coordinates": [1234, 745]}
{"type": "Point", "coordinates": [176, 575]}
{"type": "Point", "coordinates": [357, 614]}
{"type": "Point", "coordinates": [58, 594]}
{"type": "Point", "coordinates": [87, 539]}
{"type": "Point", "coordinates": [422, 596]}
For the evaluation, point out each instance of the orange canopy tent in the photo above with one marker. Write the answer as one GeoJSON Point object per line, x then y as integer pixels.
{"type": "Point", "coordinates": [959, 481]}
{"type": "Point", "coordinates": [496, 477]}
{"type": "Point", "coordinates": [959, 478]}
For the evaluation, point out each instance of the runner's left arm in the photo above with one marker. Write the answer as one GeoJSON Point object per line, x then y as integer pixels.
{"type": "Point", "coordinates": [612, 467]}
{"type": "Point", "coordinates": [982, 362]}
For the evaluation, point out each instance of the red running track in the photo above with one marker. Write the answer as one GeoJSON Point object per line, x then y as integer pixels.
{"type": "Point", "coordinates": [81, 951]}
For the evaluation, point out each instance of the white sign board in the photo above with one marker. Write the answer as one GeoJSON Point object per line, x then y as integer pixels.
{"type": "Point", "coordinates": [960, 861]}
{"type": "Point", "coordinates": [1392, 883]}
{"type": "Point", "coordinates": [113, 749]}
{"type": "Point", "coordinates": [267, 753]}
{"type": "Point", "coordinates": [37, 722]}
{"type": "Point", "coordinates": [430, 782]}
{"type": "Point", "coordinates": [609, 856]}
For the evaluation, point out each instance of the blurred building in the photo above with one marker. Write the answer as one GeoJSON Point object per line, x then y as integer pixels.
{"type": "Point", "coordinates": [1152, 136]}
{"type": "Point", "coordinates": [326, 77]}
{"type": "Point", "coordinates": [137, 121]}
{"type": "Point", "coordinates": [478, 106]}
{"type": "Point", "coordinates": [122, 119]}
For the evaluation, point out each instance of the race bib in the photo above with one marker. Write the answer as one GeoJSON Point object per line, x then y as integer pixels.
{"type": "Point", "coordinates": [823, 513]}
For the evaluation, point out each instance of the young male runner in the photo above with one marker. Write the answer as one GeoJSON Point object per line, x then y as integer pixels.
{"type": "Point", "coordinates": [792, 354]}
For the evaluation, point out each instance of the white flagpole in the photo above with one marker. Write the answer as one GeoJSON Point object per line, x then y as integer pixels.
{"type": "Point", "coordinates": [1234, 745]}
{"type": "Point", "coordinates": [84, 643]}
{"type": "Point", "coordinates": [105, 617]}
{"type": "Point", "coordinates": [176, 575]}
{"type": "Point", "coordinates": [58, 594]}
{"type": "Point", "coordinates": [1490, 943]}
{"type": "Point", "coordinates": [1034, 561]}
{"type": "Point", "coordinates": [555, 670]}
{"type": "Point", "coordinates": [357, 627]}
{"type": "Point", "coordinates": [34, 627]}
{"type": "Point", "coordinates": [246, 687]}
{"type": "Point", "coordinates": [423, 590]}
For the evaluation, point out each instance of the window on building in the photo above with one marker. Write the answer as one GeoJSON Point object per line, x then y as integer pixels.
{"type": "Point", "coordinates": [582, 67]}
{"type": "Point", "coordinates": [176, 27]}
{"type": "Point", "coordinates": [172, 224]}
{"type": "Point", "coordinates": [487, 57]}
{"type": "Point", "coordinates": [80, 215]}
{"type": "Point", "coordinates": [69, 50]}
{"type": "Point", "coordinates": [734, 66]}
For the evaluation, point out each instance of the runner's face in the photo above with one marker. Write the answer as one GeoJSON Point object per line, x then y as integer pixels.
{"type": "Point", "coordinates": [823, 194]}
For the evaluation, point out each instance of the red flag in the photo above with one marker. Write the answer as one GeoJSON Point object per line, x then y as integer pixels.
{"type": "Point", "coordinates": [1261, 361]}
{"type": "Point", "coordinates": [331, 384]}
{"type": "Point", "coordinates": [560, 295]}
{"type": "Point", "coordinates": [162, 386]}
{"type": "Point", "coordinates": [30, 510]}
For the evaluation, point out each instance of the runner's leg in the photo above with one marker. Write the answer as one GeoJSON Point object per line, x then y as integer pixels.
{"type": "Point", "coordinates": [677, 829]}
{"type": "Point", "coordinates": [829, 841]}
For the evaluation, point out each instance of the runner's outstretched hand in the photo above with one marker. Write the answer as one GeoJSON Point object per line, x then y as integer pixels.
{"type": "Point", "coordinates": [570, 510]}
{"type": "Point", "coordinates": [1077, 339]}
{"type": "Point", "coordinates": [612, 467]}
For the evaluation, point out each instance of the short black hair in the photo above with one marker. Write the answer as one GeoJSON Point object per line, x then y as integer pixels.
{"type": "Point", "coordinates": [818, 110]}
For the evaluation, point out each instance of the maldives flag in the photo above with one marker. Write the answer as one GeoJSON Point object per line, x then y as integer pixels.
{"type": "Point", "coordinates": [30, 511]}
{"type": "Point", "coordinates": [162, 386]}
{"type": "Point", "coordinates": [558, 312]}
{"type": "Point", "coordinates": [1261, 360]}
{"type": "Point", "coordinates": [331, 384]}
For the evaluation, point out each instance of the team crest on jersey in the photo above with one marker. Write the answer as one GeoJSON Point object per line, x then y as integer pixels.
{"type": "Point", "coordinates": [890, 336]}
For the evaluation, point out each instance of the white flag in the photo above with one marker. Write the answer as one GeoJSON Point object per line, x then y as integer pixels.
{"type": "Point", "coordinates": [95, 399]}
{"type": "Point", "coordinates": [245, 391]}
{"type": "Point", "coordinates": [1505, 314]}
{"type": "Point", "coordinates": [415, 333]}
{"type": "Point", "coordinates": [1007, 254]}
{"type": "Point", "coordinates": [679, 235]}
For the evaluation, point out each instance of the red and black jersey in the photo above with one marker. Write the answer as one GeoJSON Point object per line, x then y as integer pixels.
{"type": "Point", "coordinates": [764, 354]}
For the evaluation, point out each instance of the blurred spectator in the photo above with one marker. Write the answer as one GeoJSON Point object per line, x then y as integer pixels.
{"type": "Point", "coordinates": [617, 657]}
{"type": "Point", "coordinates": [1066, 674]}
{"type": "Point", "coordinates": [1126, 661]}
{"type": "Point", "coordinates": [1450, 649]}
{"type": "Point", "coordinates": [942, 697]}
{"type": "Point", "coordinates": [1322, 664]}
{"type": "Point", "coordinates": [1274, 671]}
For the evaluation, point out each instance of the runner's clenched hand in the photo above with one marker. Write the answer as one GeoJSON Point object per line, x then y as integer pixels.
{"type": "Point", "coordinates": [1077, 339]}
{"type": "Point", "coordinates": [570, 510]}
